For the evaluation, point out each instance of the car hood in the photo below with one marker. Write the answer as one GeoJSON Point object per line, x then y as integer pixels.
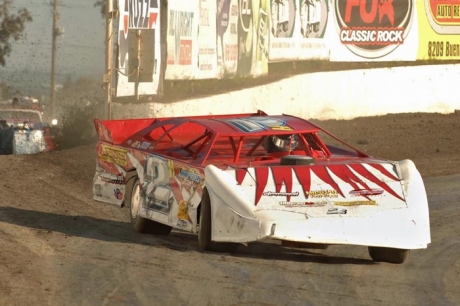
{"type": "Point", "coordinates": [324, 189]}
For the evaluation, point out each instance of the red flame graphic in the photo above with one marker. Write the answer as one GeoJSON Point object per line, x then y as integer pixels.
{"type": "Point", "coordinates": [283, 176]}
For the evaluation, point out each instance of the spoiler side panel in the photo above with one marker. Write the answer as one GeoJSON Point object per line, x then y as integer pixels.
{"type": "Point", "coordinates": [117, 131]}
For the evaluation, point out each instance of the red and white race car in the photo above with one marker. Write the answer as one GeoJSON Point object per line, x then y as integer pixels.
{"type": "Point", "coordinates": [242, 178]}
{"type": "Point", "coordinates": [23, 131]}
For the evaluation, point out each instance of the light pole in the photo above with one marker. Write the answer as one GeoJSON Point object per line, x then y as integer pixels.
{"type": "Point", "coordinates": [109, 57]}
{"type": "Point", "coordinates": [53, 60]}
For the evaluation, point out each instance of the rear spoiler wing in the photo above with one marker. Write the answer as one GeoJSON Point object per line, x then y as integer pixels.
{"type": "Point", "coordinates": [117, 131]}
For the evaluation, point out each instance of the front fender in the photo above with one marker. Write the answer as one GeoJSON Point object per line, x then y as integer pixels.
{"type": "Point", "coordinates": [233, 218]}
{"type": "Point", "coordinates": [416, 199]}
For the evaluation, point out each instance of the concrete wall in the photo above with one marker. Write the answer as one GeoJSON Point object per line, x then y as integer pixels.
{"type": "Point", "coordinates": [327, 95]}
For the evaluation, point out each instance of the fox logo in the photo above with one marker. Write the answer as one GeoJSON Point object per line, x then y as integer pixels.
{"type": "Point", "coordinates": [386, 8]}
{"type": "Point", "coordinates": [373, 28]}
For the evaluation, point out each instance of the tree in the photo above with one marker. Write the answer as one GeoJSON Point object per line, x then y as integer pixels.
{"type": "Point", "coordinates": [12, 26]}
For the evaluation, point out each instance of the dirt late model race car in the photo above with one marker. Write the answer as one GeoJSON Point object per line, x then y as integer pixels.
{"type": "Point", "coordinates": [23, 131]}
{"type": "Point", "coordinates": [235, 179]}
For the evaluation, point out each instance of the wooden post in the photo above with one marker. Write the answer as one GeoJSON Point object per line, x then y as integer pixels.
{"type": "Point", "coordinates": [53, 61]}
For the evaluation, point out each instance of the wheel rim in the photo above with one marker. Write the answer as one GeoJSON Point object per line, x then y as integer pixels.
{"type": "Point", "coordinates": [135, 199]}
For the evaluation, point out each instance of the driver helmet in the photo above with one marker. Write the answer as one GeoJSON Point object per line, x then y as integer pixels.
{"type": "Point", "coordinates": [282, 143]}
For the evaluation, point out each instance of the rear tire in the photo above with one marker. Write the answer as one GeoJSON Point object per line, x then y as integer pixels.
{"type": "Point", "coordinates": [140, 224]}
{"type": "Point", "coordinates": [205, 227]}
{"type": "Point", "coordinates": [391, 255]}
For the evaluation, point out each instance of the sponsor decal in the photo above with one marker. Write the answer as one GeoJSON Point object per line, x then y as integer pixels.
{"type": "Point", "coordinates": [98, 190]}
{"type": "Point", "coordinates": [136, 144]}
{"type": "Point", "coordinates": [322, 193]}
{"type": "Point", "coordinates": [114, 155]}
{"type": "Point", "coordinates": [258, 123]}
{"type": "Point", "coordinates": [182, 212]}
{"type": "Point", "coordinates": [145, 145]}
{"type": "Point", "coordinates": [181, 224]}
{"type": "Point", "coordinates": [316, 204]}
{"type": "Point", "coordinates": [356, 203]}
{"type": "Point", "coordinates": [303, 204]}
{"type": "Point", "coordinates": [365, 192]}
{"type": "Point", "coordinates": [246, 126]}
{"type": "Point", "coordinates": [118, 194]}
{"type": "Point", "coordinates": [280, 194]}
{"type": "Point", "coordinates": [190, 175]}
{"type": "Point", "coordinates": [171, 168]}
{"type": "Point", "coordinates": [336, 211]}
{"type": "Point", "coordinates": [282, 128]}
{"type": "Point", "coordinates": [190, 180]}
{"type": "Point", "coordinates": [112, 178]}
{"type": "Point", "coordinates": [373, 28]}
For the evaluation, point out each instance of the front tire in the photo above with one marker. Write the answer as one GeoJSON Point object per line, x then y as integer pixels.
{"type": "Point", "coordinates": [204, 232]}
{"type": "Point", "coordinates": [140, 224]}
{"type": "Point", "coordinates": [391, 255]}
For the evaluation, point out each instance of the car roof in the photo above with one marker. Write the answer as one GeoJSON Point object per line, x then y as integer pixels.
{"type": "Point", "coordinates": [245, 125]}
{"type": "Point", "coordinates": [18, 112]}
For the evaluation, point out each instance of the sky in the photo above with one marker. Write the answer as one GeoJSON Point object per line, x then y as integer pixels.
{"type": "Point", "coordinates": [81, 49]}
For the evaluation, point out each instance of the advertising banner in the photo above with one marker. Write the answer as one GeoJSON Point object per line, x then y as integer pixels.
{"type": "Point", "coordinates": [207, 40]}
{"type": "Point", "coordinates": [182, 39]}
{"type": "Point", "coordinates": [139, 54]}
{"type": "Point", "coordinates": [297, 29]}
{"type": "Point", "coordinates": [439, 29]}
{"type": "Point", "coordinates": [227, 37]}
{"type": "Point", "coordinates": [242, 37]}
{"type": "Point", "coordinates": [252, 31]}
{"type": "Point", "coordinates": [373, 30]}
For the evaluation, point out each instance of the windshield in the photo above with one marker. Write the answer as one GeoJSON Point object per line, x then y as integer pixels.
{"type": "Point", "coordinates": [13, 117]}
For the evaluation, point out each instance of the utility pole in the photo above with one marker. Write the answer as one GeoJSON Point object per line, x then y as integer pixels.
{"type": "Point", "coordinates": [53, 61]}
{"type": "Point", "coordinates": [109, 57]}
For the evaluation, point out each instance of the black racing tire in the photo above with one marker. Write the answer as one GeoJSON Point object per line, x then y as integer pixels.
{"type": "Point", "coordinates": [390, 255]}
{"type": "Point", "coordinates": [204, 230]}
{"type": "Point", "coordinates": [140, 224]}
{"type": "Point", "coordinates": [133, 200]}
{"type": "Point", "coordinates": [205, 226]}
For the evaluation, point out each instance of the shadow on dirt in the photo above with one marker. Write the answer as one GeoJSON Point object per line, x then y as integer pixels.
{"type": "Point", "coordinates": [122, 232]}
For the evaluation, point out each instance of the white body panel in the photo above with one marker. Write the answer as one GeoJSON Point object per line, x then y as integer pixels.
{"type": "Point", "coordinates": [29, 142]}
{"type": "Point", "coordinates": [397, 218]}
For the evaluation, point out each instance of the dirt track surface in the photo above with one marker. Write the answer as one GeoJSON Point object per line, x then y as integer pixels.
{"type": "Point", "coordinates": [59, 247]}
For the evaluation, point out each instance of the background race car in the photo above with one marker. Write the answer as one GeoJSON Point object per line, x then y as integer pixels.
{"type": "Point", "coordinates": [22, 131]}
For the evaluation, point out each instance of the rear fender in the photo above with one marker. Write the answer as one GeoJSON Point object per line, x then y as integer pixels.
{"type": "Point", "coordinates": [112, 188]}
